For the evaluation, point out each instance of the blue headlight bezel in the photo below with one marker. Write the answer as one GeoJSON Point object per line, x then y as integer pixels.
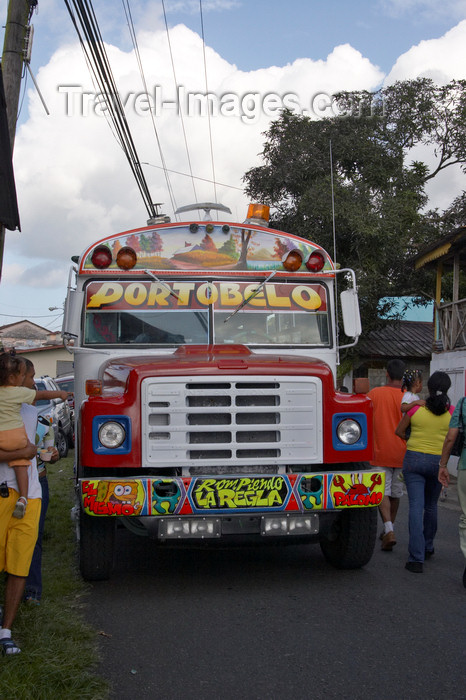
{"type": "Point", "coordinates": [360, 418]}
{"type": "Point", "coordinates": [98, 448]}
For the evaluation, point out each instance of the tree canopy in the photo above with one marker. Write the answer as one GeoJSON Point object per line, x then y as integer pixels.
{"type": "Point", "coordinates": [367, 157]}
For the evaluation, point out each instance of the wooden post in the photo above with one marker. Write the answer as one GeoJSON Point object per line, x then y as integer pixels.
{"type": "Point", "coordinates": [12, 66]}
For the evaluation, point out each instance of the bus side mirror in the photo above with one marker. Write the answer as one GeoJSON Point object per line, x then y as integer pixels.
{"type": "Point", "coordinates": [350, 313]}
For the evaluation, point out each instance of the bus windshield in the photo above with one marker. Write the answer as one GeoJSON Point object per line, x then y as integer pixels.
{"type": "Point", "coordinates": [149, 314]}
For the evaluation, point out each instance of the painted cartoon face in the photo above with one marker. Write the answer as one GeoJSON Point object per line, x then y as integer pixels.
{"type": "Point", "coordinates": [122, 493]}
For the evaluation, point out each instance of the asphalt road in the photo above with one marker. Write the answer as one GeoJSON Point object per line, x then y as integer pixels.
{"type": "Point", "coordinates": [273, 623]}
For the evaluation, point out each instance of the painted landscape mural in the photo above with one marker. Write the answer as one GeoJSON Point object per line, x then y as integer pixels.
{"type": "Point", "coordinates": [215, 247]}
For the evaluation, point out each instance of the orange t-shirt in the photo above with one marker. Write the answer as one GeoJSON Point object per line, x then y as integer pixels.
{"type": "Point", "coordinates": [389, 449]}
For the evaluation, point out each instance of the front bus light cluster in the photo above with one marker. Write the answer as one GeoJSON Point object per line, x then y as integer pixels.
{"type": "Point", "coordinates": [112, 435]}
{"type": "Point", "coordinates": [349, 431]}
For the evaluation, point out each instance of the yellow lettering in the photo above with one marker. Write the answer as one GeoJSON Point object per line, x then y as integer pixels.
{"type": "Point", "coordinates": [306, 298]}
{"type": "Point", "coordinates": [109, 293]}
{"type": "Point", "coordinates": [207, 294]}
{"type": "Point", "coordinates": [226, 498]}
{"type": "Point", "coordinates": [230, 294]}
{"type": "Point", "coordinates": [258, 300]}
{"type": "Point", "coordinates": [158, 295]}
{"type": "Point", "coordinates": [135, 294]}
{"type": "Point", "coordinates": [183, 290]}
{"type": "Point", "coordinates": [274, 300]}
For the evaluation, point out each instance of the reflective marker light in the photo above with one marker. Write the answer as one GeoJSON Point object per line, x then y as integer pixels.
{"type": "Point", "coordinates": [112, 434]}
{"type": "Point", "coordinates": [126, 258]}
{"type": "Point", "coordinates": [290, 524]}
{"type": "Point", "coordinates": [101, 257]}
{"type": "Point", "coordinates": [315, 262]}
{"type": "Point", "coordinates": [185, 528]}
{"type": "Point", "coordinates": [349, 431]}
{"type": "Point", "coordinates": [93, 387]}
{"type": "Point", "coordinates": [292, 261]}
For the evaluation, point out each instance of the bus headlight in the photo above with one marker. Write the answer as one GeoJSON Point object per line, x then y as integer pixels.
{"type": "Point", "coordinates": [349, 431]}
{"type": "Point", "coordinates": [112, 434]}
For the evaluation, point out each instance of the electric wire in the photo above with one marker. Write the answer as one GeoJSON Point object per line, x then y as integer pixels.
{"type": "Point", "coordinates": [94, 50]}
{"type": "Point", "coordinates": [208, 111]}
{"type": "Point", "coordinates": [132, 32]}
{"type": "Point", "coordinates": [196, 177]}
{"type": "Point", "coordinates": [181, 113]}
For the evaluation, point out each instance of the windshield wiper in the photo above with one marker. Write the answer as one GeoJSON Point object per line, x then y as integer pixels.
{"type": "Point", "coordinates": [164, 284]}
{"type": "Point", "coordinates": [251, 296]}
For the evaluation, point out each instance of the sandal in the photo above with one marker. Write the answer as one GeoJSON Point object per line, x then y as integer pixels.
{"type": "Point", "coordinates": [20, 507]}
{"type": "Point", "coordinates": [9, 647]}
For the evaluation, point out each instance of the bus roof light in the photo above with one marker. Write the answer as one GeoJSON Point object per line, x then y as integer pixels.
{"type": "Point", "coordinates": [101, 257]}
{"type": "Point", "coordinates": [292, 260]}
{"type": "Point", "coordinates": [315, 262]}
{"type": "Point", "coordinates": [258, 213]}
{"type": "Point", "coordinates": [126, 258]}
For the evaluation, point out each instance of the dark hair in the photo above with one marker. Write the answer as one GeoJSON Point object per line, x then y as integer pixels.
{"type": "Point", "coordinates": [29, 364]}
{"type": "Point", "coordinates": [409, 377]}
{"type": "Point", "coordinates": [9, 364]}
{"type": "Point", "coordinates": [395, 369]}
{"type": "Point", "coordinates": [438, 384]}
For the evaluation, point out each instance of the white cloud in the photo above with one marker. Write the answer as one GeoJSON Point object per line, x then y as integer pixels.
{"type": "Point", "coordinates": [441, 59]}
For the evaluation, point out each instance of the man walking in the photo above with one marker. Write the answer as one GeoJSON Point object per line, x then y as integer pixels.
{"type": "Point", "coordinates": [389, 449]}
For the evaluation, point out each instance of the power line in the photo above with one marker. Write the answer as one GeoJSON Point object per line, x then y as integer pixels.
{"type": "Point", "coordinates": [132, 32]}
{"type": "Point", "coordinates": [208, 111]}
{"type": "Point", "coordinates": [94, 50]}
{"type": "Point", "coordinates": [196, 177]}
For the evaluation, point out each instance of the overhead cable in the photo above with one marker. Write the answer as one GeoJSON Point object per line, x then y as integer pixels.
{"type": "Point", "coordinates": [132, 32]}
{"type": "Point", "coordinates": [91, 41]}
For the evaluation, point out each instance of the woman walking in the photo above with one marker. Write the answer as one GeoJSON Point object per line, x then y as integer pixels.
{"type": "Point", "coordinates": [429, 426]}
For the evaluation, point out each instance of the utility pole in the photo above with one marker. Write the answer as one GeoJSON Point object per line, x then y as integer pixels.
{"type": "Point", "coordinates": [12, 67]}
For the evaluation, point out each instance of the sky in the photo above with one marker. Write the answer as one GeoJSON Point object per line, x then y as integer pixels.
{"type": "Point", "coordinates": [73, 182]}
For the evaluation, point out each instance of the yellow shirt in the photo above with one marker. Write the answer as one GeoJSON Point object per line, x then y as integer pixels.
{"type": "Point", "coordinates": [11, 398]}
{"type": "Point", "coordinates": [427, 430]}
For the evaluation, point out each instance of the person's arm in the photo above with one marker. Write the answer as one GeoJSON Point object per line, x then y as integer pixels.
{"type": "Point", "coordinates": [402, 426]}
{"type": "Point", "coordinates": [45, 394]}
{"type": "Point", "coordinates": [443, 473]}
{"type": "Point", "coordinates": [28, 452]}
{"type": "Point", "coordinates": [406, 406]}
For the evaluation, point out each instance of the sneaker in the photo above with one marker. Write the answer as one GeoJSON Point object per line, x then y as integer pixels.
{"type": "Point", "coordinates": [414, 566]}
{"type": "Point", "coordinates": [388, 541]}
{"type": "Point", "coordinates": [9, 647]}
{"type": "Point", "coordinates": [429, 553]}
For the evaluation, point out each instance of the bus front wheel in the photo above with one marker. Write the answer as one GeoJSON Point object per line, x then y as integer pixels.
{"type": "Point", "coordinates": [96, 547]}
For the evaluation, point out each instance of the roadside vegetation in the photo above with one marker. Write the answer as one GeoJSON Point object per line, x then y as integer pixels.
{"type": "Point", "coordinates": [59, 649]}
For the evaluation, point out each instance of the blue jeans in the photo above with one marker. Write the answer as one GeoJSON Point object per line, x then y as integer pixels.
{"type": "Point", "coordinates": [420, 471]}
{"type": "Point", "coordinates": [34, 579]}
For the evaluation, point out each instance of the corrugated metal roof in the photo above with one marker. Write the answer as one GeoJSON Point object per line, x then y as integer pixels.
{"type": "Point", "coordinates": [399, 339]}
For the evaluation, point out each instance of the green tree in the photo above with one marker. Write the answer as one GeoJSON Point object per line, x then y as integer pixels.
{"type": "Point", "coordinates": [379, 193]}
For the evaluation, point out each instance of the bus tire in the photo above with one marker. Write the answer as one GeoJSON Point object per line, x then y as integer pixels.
{"type": "Point", "coordinates": [96, 547]}
{"type": "Point", "coordinates": [350, 544]}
